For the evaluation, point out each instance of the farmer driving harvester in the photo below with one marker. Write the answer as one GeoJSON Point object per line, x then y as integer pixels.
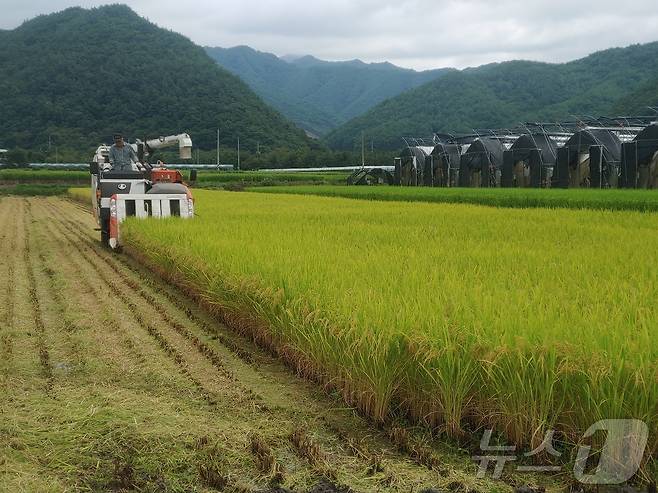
{"type": "Point", "coordinates": [122, 156]}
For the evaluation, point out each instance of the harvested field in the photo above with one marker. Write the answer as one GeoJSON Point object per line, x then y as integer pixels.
{"type": "Point", "coordinates": [112, 380]}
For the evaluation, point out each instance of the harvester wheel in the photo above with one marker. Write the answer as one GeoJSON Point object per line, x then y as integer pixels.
{"type": "Point", "coordinates": [105, 232]}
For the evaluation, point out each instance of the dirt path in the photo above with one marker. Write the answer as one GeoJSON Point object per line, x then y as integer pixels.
{"type": "Point", "coordinates": [111, 379]}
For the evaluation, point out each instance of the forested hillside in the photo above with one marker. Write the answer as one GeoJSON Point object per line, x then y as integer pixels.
{"type": "Point", "coordinates": [613, 81]}
{"type": "Point", "coordinates": [316, 94]}
{"type": "Point", "coordinates": [641, 100]}
{"type": "Point", "coordinates": [79, 75]}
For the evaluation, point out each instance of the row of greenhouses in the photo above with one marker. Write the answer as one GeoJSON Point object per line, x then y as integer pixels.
{"type": "Point", "coordinates": [614, 153]}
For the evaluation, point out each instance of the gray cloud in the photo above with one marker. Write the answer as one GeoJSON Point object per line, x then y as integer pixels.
{"type": "Point", "coordinates": [412, 33]}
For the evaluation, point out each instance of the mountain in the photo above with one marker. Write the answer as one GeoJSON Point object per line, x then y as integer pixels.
{"type": "Point", "coordinates": [639, 101]}
{"type": "Point", "coordinates": [319, 95]}
{"type": "Point", "coordinates": [615, 81]}
{"type": "Point", "coordinates": [80, 75]}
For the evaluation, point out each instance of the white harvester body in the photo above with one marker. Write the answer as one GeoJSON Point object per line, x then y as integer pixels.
{"type": "Point", "coordinates": [142, 192]}
{"type": "Point", "coordinates": [143, 206]}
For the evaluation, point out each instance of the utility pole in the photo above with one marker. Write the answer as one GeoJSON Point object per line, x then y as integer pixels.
{"type": "Point", "coordinates": [217, 146]}
{"type": "Point", "coordinates": [238, 152]}
{"type": "Point", "coordinates": [363, 150]}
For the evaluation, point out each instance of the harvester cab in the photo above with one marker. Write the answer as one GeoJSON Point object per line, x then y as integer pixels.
{"type": "Point", "coordinates": [148, 190]}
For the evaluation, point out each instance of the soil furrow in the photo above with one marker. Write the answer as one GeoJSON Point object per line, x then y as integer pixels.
{"type": "Point", "coordinates": [163, 312]}
{"type": "Point", "coordinates": [110, 316]}
{"type": "Point", "coordinates": [97, 299]}
{"type": "Point", "coordinates": [37, 312]}
{"type": "Point", "coordinates": [68, 325]}
{"type": "Point", "coordinates": [19, 338]}
{"type": "Point", "coordinates": [162, 342]}
{"type": "Point", "coordinates": [8, 243]}
{"type": "Point", "coordinates": [236, 347]}
{"type": "Point", "coordinates": [202, 347]}
{"type": "Point", "coordinates": [7, 246]}
{"type": "Point", "coordinates": [209, 328]}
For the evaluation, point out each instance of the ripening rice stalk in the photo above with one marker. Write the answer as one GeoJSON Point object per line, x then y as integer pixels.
{"type": "Point", "coordinates": [462, 317]}
{"type": "Point", "coordinates": [82, 195]}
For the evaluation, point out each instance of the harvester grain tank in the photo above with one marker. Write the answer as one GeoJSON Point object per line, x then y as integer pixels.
{"type": "Point", "coordinates": [639, 168]}
{"type": "Point", "coordinates": [144, 191]}
{"type": "Point", "coordinates": [529, 162]}
{"type": "Point", "coordinates": [481, 164]}
{"type": "Point", "coordinates": [590, 158]}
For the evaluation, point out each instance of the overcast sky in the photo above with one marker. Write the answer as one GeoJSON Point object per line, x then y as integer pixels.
{"type": "Point", "coordinates": [418, 34]}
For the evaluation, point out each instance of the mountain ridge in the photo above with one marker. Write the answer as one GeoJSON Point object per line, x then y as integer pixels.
{"type": "Point", "coordinates": [508, 93]}
{"type": "Point", "coordinates": [79, 75]}
{"type": "Point", "coordinates": [317, 94]}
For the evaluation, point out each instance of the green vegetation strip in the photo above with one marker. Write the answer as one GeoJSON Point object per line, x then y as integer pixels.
{"type": "Point", "coordinates": [44, 176]}
{"type": "Point", "coordinates": [633, 200]}
{"type": "Point", "coordinates": [204, 178]}
{"type": "Point", "coordinates": [266, 178]}
{"type": "Point", "coordinates": [30, 190]}
{"type": "Point", "coordinates": [461, 316]}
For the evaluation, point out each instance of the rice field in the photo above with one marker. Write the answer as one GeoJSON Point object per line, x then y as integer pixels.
{"type": "Point", "coordinates": [111, 380]}
{"type": "Point", "coordinates": [458, 316]}
{"type": "Point", "coordinates": [633, 200]}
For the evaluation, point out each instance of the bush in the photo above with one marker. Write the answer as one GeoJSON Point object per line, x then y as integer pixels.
{"type": "Point", "coordinates": [17, 157]}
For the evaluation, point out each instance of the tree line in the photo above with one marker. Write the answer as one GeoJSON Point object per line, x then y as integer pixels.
{"type": "Point", "coordinates": [248, 158]}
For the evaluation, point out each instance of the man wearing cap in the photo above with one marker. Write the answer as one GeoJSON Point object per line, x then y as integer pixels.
{"type": "Point", "coordinates": [122, 156]}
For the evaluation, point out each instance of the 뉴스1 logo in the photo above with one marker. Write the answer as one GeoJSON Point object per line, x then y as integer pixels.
{"type": "Point", "coordinates": [618, 461]}
{"type": "Point", "coordinates": [122, 186]}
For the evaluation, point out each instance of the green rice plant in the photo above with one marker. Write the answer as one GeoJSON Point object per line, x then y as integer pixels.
{"type": "Point", "coordinates": [634, 200]}
{"type": "Point", "coordinates": [457, 315]}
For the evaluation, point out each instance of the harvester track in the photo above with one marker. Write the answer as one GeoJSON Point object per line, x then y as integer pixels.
{"type": "Point", "coordinates": [106, 330]}
{"type": "Point", "coordinates": [35, 300]}
{"type": "Point", "coordinates": [170, 348]}
{"type": "Point", "coordinates": [8, 227]}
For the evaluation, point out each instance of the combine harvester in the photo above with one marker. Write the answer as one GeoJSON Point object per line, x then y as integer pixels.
{"type": "Point", "coordinates": [145, 191]}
